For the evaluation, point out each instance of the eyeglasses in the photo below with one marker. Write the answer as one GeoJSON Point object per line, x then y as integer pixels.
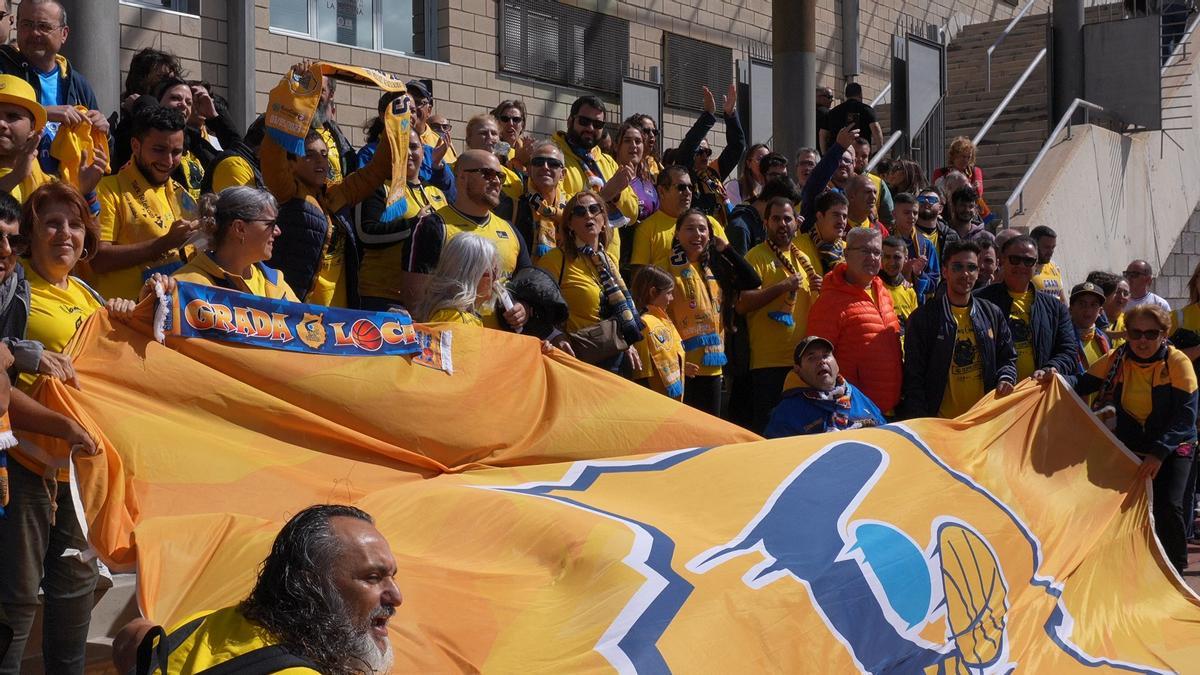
{"type": "Point", "coordinates": [17, 243]}
{"type": "Point", "coordinates": [488, 174]}
{"type": "Point", "coordinates": [40, 26]}
{"type": "Point", "coordinates": [423, 102]}
{"type": "Point", "coordinates": [511, 119]}
{"type": "Point", "coordinates": [869, 252]}
{"type": "Point", "coordinates": [650, 131]}
{"type": "Point", "coordinates": [550, 162]}
{"type": "Point", "coordinates": [442, 128]}
{"type": "Point", "coordinates": [581, 211]}
{"type": "Point", "coordinates": [269, 223]}
{"type": "Point", "coordinates": [707, 152]}
{"type": "Point", "coordinates": [589, 122]}
{"type": "Point", "coordinates": [1027, 261]}
{"type": "Point", "coordinates": [1152, 334]}
{"type": "Point", "coordinates": [1133, 274]}
{"type": "Point", "coordinates": [970, 268]}
{"type": "Point", "coordinates": [928, 199]}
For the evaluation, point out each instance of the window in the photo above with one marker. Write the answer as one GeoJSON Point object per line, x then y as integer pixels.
{"type": "Point", "coordinates": [548, 40]}
{"type": "Point", "coordinates": [690, 64]}
{"type": "Point", "coordinates": [185, 6]}
{"type": "Point", "coordinates": [367, 24]}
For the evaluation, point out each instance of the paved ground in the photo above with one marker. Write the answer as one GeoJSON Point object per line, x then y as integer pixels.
{"type": "Point", "coordinates": [1192, 574]}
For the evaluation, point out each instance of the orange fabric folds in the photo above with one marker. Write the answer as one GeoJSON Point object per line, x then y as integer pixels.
{"type": "Point", "coordinates": [549, 517]}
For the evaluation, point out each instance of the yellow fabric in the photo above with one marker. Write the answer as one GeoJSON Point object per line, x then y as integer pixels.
{"type": "Point", "coordinates": [231, 172]}
{"type": "Point", "coordinates": [580, 285]}
{"type": "Point", "coordinates": [653, 237]}
{"type": "Point", "coordinates": [381, 270]}
{"type": "Point", "coordinates": [335, 157]}
{"type": "Point", "coordinates": [1048, 278]}
{"type": "Point", "coordinates": [451, 315]}
{"type": "Point", "coordinates": [502, 235]}
{"type": "Point", "coordinates": [225, 634]}
{"type": "Point", "coordinates": [133, 211]}
{"type": "Point", "coordinates": [695, 307]}
{"type": "Point", "coordinates": [543, 576]}
{"type": "Point", "coordinates": [1187, 318]}
{"type": "Point", "coordinates": [1022, 332]}
{"type": "Point", "coordinates": [964, 386]}
{"type": "Point", "coordinates": [1091, 347]}
{"type": "Point", "coordinates": [202, 269]}
{"type": "Point", "coordinates": [33, 181]}
{"type": "Point", "coordinates": [329, 285]}
{"type": "Point", "coordinates": [904, 300]}
{"type": "Point", "coordinates": [430, 137]}
{"type": "Point", "coordinates": [1118, 326]}
{"type": "Point", "coordinates": [772, 343]}
{"type": "Point", "coordinates": [661, 352]}
{"type": "Point", "coordinates": [76, 146]}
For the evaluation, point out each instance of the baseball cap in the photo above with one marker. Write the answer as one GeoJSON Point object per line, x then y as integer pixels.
{"type": "Point", "coordinates": [1087, 287]}
{"type": "Point", "coordinates": [417, 89]}
{"type": "Point", "coordinates": [16, 91]}
{"type": "Point", "coordinates": [807, 342]}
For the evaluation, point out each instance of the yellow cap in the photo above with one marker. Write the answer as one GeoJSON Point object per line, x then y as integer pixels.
{"type": "Point", "coordinates": [16, 91]}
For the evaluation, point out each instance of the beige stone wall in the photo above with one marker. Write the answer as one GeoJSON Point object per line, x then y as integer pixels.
{"type": "Point", "coordinates": [199, 41]}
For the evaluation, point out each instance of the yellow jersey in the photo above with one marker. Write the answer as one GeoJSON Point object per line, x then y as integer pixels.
{"type": "Point", "coordinates": [1048, 278]}
{"type": "Point", "coordinates": [775, 328]}
{"type": "Point", "coordinates": [1020, 323]}
{"type": "Point", "coordinates": [265, 282]}
{"type": "Point", "coordinates": [579, 283]}
{"type": "Point", "coordinates": [654, 236]}
{"type": "Point", "coordinates": [964, 386]}
{"type": "Point", "coordinates": [222, 636]}
{"type": "Point", "coordinates": [233, 171]}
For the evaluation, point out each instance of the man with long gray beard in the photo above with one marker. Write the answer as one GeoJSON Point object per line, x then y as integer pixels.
{"type": "Point", "coordinates": [321, 604]}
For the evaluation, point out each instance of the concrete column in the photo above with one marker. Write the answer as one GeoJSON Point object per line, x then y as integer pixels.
{"type": "Point", "coordinates": [241, 62]}
{"type": "Point", "coordinates": [794, 74]}
{"type": "Point", "coordinates": [1067, 48]}
{"type": "Point", "coordinates": [92, 47]}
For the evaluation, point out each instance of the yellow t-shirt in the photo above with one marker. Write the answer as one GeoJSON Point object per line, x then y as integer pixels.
{"type": "Point", "coordinates": [1138, 380]}
{"type": "Point", "coordinates": [1117, 326]}
{"type": "Point", "coordinates": [964, 386]}
{"type": "Point", "coordinates": [452, 315]}
{"type": "Point", "coordinates": [203, 270]}
{"type": "Point", "coordinates": [500, 232]}
{"type": "Point", "coordinates": [1091, 347]}
{"type": "Point", "coordinates": [381, 269]}
{"type": "Point", "coordinates": [33, 181]}
{"type": "Point", "coordinates": [336, 170]}
{"type": "Point", "coordinates": [580, 286]}
{"type": "Point", "coordinates": [225, 634]}
{"type": "Point", "coordinates": [904, 300]}
{"type": "Point", "coordinates": [1049, 278]}
{"type": "Point", "coordinates": [55, 314]}
{"type": "Point", "coordinates": [329, 286]}
{"type": "Point", "coordinates": [653, 237]}
{"type": "Point", "coordinates": [132, 211]}
{"type": "Point", "coordinates": [681, 311]}
{"type": "Point", "coordinates": [1019, 321]}
{"type": "Point", "coordinates": [232, 172]}
{"type": "Point", "coordinates": [772, 343]}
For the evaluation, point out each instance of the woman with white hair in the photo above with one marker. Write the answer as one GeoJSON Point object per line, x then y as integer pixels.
{"type": "Point", "coordinates": [466, 277]}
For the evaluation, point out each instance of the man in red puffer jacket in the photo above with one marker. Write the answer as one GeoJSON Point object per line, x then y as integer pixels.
{"type": "Point", "coordinates": [855, 313]}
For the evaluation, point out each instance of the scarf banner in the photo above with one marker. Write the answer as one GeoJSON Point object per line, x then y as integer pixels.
{"type": "Point", "coordinates": [75, 147]}
{"type": "Point", "coordinates": [196, 311]}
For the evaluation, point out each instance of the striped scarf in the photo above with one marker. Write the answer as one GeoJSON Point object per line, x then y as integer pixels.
{"type": "Point", "coordinates": [615, 296]}
{"type": "Point", "coordinates": [666, 352]}
{"type": "Point", "coordinates": [831, 254]}
{"type": "Point", "coordinates": [1108, 391]}
{"type": "Point", "coordinates": [789, 301]}
{"type": "Point", "coordinates": [701, 328]}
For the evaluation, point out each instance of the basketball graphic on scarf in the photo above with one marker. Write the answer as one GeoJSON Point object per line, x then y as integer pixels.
{"type": "Point", "coordinates": [366, 335]}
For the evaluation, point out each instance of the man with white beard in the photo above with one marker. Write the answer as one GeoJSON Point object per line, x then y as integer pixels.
{"type": "Point", "coordinates": [321, 604]}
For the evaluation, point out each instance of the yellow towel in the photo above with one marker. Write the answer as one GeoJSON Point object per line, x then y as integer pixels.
{"type": "Point", "coordinates": [76, 146]}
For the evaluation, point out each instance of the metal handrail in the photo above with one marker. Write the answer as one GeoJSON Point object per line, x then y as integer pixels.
{"type": "Point", "coordinates": [1018, 193]}
{"type": "Point", "coordinates": [1009, 97]}
{"type": "Point", "coordinates": [883, 93]}
{"type": "Point", "coordinates": [884, 150]}
{"type": "Point", "coordinates": [1183, 40]}
{"type": "Point", "coordinates": [1000, 38]}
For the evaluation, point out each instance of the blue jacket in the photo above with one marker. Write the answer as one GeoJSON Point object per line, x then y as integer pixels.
{"type": "Point", "coordinates": [803, 410]}
{"type": "Point", "coordinates": [442, 179]}
{"type": "Point", "coordinates": [73, 89]}
{"type": "Point", "coordinates": [303, 228]}
{"type": "Point", "coordinates": [927, 282]}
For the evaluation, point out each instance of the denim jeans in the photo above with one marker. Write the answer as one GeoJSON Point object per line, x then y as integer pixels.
{"type": "Point", "coordinates": [31, 555]}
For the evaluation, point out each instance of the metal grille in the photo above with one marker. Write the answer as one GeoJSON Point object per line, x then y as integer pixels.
{"type": "Point", "coordinates": [566, 45]}
{"type": "Point", "coordinates": [691, 64]}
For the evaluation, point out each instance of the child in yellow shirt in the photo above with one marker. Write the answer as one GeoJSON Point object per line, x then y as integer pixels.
{"type": "Point", "coordinates": [662, 355]}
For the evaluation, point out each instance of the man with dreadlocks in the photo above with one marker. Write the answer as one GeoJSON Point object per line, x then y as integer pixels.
{"type": "Point", "coordinates": [321, 604]}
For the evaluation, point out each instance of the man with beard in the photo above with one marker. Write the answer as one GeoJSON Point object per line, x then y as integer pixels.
{"type": "Point", "coordinates": [654, 236]}
{"type": "Point", "coordinates": [342, 157]}
{"type": "Point", "coordinates": [479, 175]}
{"type": "Point", "coordinates": [422, 112]}
{"type": "Point", "coordinates": [587, 168]}
{"type": "Point", "coordinates": [1047, 276]}
{"type": "Point", "coordinates": [322, 603]}
{"type": "Point", "coordinates": [964, 215]}
{"type": "Point", "coordinates": [145, 217]}
{"type": "Point", "coordinates": [817, 399]}
{"type": "Point", "coordinates": [930, 223]}
{"type": "Point", "coordinates": [41, 33]}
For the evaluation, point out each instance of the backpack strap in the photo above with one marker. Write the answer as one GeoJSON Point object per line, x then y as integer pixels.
{"type": "Point", "coordinates": [156, 646]}
{"type": "Point", "coordinates": [261, 661]}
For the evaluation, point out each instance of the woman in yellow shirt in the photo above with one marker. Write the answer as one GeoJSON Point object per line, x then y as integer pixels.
{"type": "Point", "coordinates": [588, 277]}
{"type": "Point", "coordinates": [465, 278]}
{"type": "Point", "coordinates": [243, 236]}
{"type": "Point", "coordinates": [60, 231]}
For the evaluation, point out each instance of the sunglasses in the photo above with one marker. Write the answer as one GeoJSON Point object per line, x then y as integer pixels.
{"type": "Point", "coordinates": [511, 119]}
{"type": "Point", "coordinates": [488, 174]}
{"type": "Point", "coordinates": [551, 162]}
{"type": "Point", "coordinates": [928, 199]}
{"type": "Point", "coordinates": [17, 243]}
{"type": "Point", "coordinates": [581, 211]}
{"type": "Point", "coordinates": [1022, 260]}
{"type": "Point", "coordinates": [1133, 274]}
{"type": "Point", "coordinates": [589, 122]}
{"type": "Point", "coordinates": [707, 152]}
{"type": "Point", "coordinates": [1152, 334]}
{"type": "Point", "coordinates": [682, 188]}
{"type": "Point", "coordinates": [442, 128]}
{"type": "Point", "coordinates": [650, 131]}
{"type": "Point", "coordinates": [970, 268]}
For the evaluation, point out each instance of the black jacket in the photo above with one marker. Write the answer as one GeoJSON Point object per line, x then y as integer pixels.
{"type": "Point", "coordinates": [929, 345]}
{"type": "Point", "coordinates": [14, 318]}
{"type": "Point", "coordinates": [1053, 335]}
{"type": "Point", "coordinates": [304, 227]}
{"type": "Point", "coordinates": [536, 288]}
{"type": "Point", "coordinates": [706, 197]}
{"type": "Point", "coordinates": [745, 229]}
{"type": "Point", "coordinates": [945, 235]}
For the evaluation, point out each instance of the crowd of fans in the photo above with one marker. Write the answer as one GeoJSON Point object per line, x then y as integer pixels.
{"type": "Point", "coordinates": [788, 295]}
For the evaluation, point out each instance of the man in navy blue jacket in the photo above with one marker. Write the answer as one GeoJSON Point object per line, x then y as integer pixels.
{"type": "Point", "coordinates": [817, 399]}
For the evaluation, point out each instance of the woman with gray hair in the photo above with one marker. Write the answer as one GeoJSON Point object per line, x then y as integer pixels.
{"type": "Point", "coordinates": [466, 277]}
{"type": "Point", "coordinates": [242, 230]}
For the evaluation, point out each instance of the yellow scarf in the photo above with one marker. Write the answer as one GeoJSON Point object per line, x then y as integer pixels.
{"type": "Point", "coordinates": [666, 350]}
{"type": "Point", "coordinates": [545, 220]}
{"type": "Point", "coordinates": [75, 147]}
{"type": "Point", "coordinates": [292, 104]}
{"type": "Point", "coordinates": [697, 312]}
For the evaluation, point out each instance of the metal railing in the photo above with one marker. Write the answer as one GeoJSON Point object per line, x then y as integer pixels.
{"type": "Point", "coordinates": [886, 90]}
{"type": "Point", "coordinates": [1000, 38]}
{"type": "Point", "coordinates": [1009, 97]}
{"type": "Point", "coordinates": [884, 150]}
{"type": "Point", "coordinates": [1018, 193]}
